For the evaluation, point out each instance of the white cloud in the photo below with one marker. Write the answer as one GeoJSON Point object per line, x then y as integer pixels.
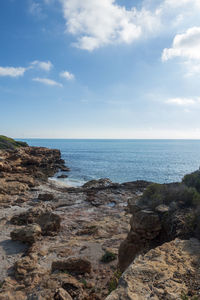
{"type": "Point", "coordinates": [47, 81]}
{"type": "Point", "coordinates": [44, 65]}
{"type": "Point", "coordinates": [12, 72]}
{"type": "Point", "coordinates": [186, 45]}
{"type": "Point", "coordinates": [98, 23]}
{"type": "Point", "coordinates": [67, 75]}
{"type": "Point", "coordinates": [183, 101]}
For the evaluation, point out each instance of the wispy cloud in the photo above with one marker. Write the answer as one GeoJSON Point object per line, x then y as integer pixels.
{"type": "Point", "coordinates": [35, 8]}
{"type": "Point", "coordinates": [67, 75]}
{"type": "Point", "coordinates": [12, 72]}
{"type": "Point", "coordinates": [44, 65]}
{"type": "Point", "coordinates": [183, 101]}
{"type": "Point", "coordinates": [47, 81]}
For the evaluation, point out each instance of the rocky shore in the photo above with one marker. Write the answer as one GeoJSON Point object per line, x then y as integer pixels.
{"type": "Point", "coordinates": [76, 243]}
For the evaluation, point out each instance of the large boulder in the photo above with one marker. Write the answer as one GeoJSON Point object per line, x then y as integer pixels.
{"type": "Point", "coordinates": [48, 221]}
{"type": "Point", "coordinates": [171, 271]}
{"type": "Point", "coordinates": [72, 265]}
{"type": "Point", "coordinates": [27, 234]}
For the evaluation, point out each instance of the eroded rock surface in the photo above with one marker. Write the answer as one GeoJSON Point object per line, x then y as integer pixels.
{"type": "Point", "coordinates": [167, 272]}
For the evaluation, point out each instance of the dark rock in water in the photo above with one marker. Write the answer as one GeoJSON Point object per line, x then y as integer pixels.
{"type": "Point", "coordinates": [73, 265]}
{"type": "Point", "coordinates": [62, 176]}
{"type": "Point", "coordinates": [27, 234]}
{"type": "Point", "coordinates": [104, 182]}
{"type": "Point", "coordinates": [46, 197]}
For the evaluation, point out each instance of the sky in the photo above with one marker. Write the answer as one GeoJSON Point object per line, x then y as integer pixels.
{"type": "Point", "coordinates": [124, 69]}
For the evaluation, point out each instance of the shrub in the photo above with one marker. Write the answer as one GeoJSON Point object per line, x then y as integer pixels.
{"type": "Point", "coordinates": [192, 180]}
{"type": "Point", "coordinates": [157, 194]}
{"type": "Point", "coordinates": [108, 257]}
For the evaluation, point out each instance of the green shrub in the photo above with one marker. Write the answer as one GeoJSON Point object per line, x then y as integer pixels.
{"type": "Point", "coordinates": [8, 143]}
{"type": "Point", "coordinates": [108, 257]}
{"type": "Point", "coordinates": [157, 194]}
{"type": "Point", "coordinates": [113, 283]}
{"type": "Point", "coordinates": [192, 180]}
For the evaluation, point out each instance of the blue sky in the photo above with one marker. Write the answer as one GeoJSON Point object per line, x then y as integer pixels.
{"type": "Point", "coordinates": [100, 69]}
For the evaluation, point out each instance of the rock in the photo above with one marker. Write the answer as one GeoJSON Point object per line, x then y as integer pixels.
{"type": "Point", "coordinates": [146, 223]}
{"type": "Point", "coordinates": [73, 265]}
{"type": "Point", "coordinates": [48, 221]}
{"type": "Point", "coordinates": [27, 234]}
{"type": "Point", "coordinates": [10, 295]}
{"type": "Point", "coordinates": [104, 182]}
{"type": "Point", "coordinates": [62, 176]}
{"type": "Point", "coordinates": [46, 197]}
{"type": "Point", "coordinates": [61, 294]}
{"type": "Point", "coordinates": [162, 208]}
{"type": "Point", "coordinates": [166, 272]}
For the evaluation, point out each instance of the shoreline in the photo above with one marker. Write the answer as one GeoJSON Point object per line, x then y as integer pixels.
{"type": "Point", "coordinates": [64, 242]}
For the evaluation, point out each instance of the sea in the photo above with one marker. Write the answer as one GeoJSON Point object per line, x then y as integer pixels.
{"type": "Point", "coordinates": [160, 161]}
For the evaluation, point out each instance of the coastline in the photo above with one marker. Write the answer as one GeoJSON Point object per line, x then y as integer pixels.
{"type": "Point", "coordinates": [76, 241]}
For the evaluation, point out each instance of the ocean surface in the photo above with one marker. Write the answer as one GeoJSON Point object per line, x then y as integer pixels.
{"type": "Point", "coordinates": [125, 160]}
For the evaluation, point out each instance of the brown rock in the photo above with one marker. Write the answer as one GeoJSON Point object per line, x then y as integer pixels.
{"type": "Point", "coordinates": [73, 265]}
{"type": "Point", "coordinates": [46, 197]}
{"type": "Point", "coordinates": [27, 234]}
{"type": "Point", "coordinates": [61, 294]}
{"type": "Point", "coordinates": [165, 272]}
{"type": "Point", "coordinates": [48, 221]}
{"type": "Point", "coordinates": [9, 295]}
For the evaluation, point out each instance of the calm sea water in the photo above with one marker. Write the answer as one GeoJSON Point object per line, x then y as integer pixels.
{"type": "Point", "coordinates": [126, 160]}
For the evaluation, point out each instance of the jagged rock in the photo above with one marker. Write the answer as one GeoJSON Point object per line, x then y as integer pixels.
{"type": "Point", "coordinates": [62, 176]}
{"type": "Point", "coordinates": [166, 272]}
{"type": "Point", "coordinates": [74, 288]}
{"type": "Point", "coordinates": [27, 234]}
{"type": "Point", "coordinates": [23, 168]}
{"type": "Point", "coordinates": [61, 294]}
{"type": "Point", "coordinates": [48, 221]}
{"type": "Point", "coordinates": [46, 197]}
{"type": "Point", "coordinates": [73, 265]}
{"type": "Point", "coordinates": [146, 223]}
{"type": "Point", "coordinates": [104, 182]}
{"type": "Point", "coordinates": [9, 295]}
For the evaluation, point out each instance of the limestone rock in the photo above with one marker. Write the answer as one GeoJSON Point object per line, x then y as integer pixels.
{"type": "Point", "coordinates": [61, 294]}
{"type": "Point", "coordinates": [48, 221]}
{"type": "Point", "coordinates": [73, 265]}
{"type": "Point", "coordinates": [165, 272]}
{"type": "Point", "coordinates": [9, 295]}
{"type": "Point", "coordinates": [104, 182]}
{"type": "Point", "coordinates": [27, 234]}
{"type": "Point", "coordinates": [46, 197]}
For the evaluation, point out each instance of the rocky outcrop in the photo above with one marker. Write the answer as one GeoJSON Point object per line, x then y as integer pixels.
{"type": "Point", "coordinates": [160, 215]}
{"type": "Point", "coordinates": [72, 265]}
{"type": "Point", "coordinates": [27, 234]}
{"type": "Point", "coordinates": [25, 167]}
{"type": "Point", "coordinates": [168, 272]}
{"type": "Point", "coordinates": [44, 217]}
